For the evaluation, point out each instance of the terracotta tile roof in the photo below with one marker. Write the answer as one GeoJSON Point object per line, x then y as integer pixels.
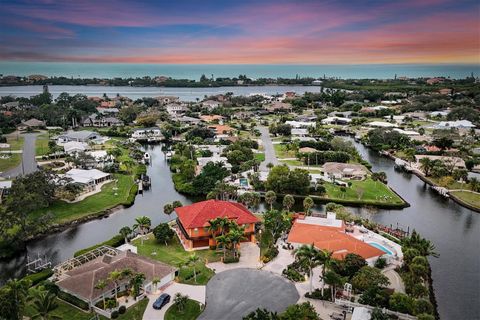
{"type": "Point", "coordinates": [332, 239]}
{"type": "Point", "coordinates": [198, 214]}
{"type": "Point", "coordinates": [81, 281]}
{"type": "Point", "coordinates": [221, 129]}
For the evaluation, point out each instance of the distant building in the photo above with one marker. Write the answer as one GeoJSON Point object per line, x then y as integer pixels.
{"type": "Point", "coordinates": [31, 124]}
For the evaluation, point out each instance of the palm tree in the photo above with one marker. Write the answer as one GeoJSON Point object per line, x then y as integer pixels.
{"type": "Point", "coordinates": [155, 282]}
{"type": "Point", "coordinates": [136, 282]}
{"type": "Point", "coordinates": [142, 224]}
{"type": "Point", "coordinates": [192, 260]}
{"type": "Point", "coordinates": [236, 235]}
{"type": "Point", "coordinates": [180, 301]}
{"type": "Point", "coordinates": [474, 184]}
{"type": "Point", "coordinates": [307, 205]}
{"type": "Point", "coordinates": [223, 241]}
{"type": "Point", "coordinates": [426, 164]}
{"type": "Point", "coordinates": [310, 257]}
{"type": "Point", "coordinates": [223, 224]}
{"type": "Point", "coordinates": [44, 302]}
{"type": "Point", "coordinates": [102, 284]}
{"type": "Point", "coordinates": [213, 227]}
{"type": "Point", "coordinates": [270, 198]}
{"type": "Point", "coordinates": [125, 232]}
{"type": "Point", "coordinates": [256, 199]}
{"type": "Point", "coordinates": [288, 202]}
{"type": "Point", "coordinates": [19, 290]}
{"type": "Point", "coordinates": [168, 209]}
{"type": "Point", "coordinates": [327, 261]}
{"type": "Point", "coordinates": [334, 280]}
{"type": "Point", "coordinates": [176, 204]}
{"type": "Point", "coordinates": [115, 276]}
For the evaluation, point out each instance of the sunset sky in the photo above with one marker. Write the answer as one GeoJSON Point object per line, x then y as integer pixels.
{"type": "Point", "coordinates": [241, 32]}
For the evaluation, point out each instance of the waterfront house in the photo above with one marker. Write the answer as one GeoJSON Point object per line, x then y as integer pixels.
{"type": "Point", "coordinates": [278, 106]}
{"type": "Point", "coordinates": [339, 170]}
{"type": "Point", "coordinates": [211, 118]}
{"type": "Point", "coordinates": [147, 133]}
{"type": "Point", "coordinates": [73, 147]}
{"type": "Point", "coordinates": [79, 276]}
{"type": "Point", "coordinates": [91, 177]}
{"type": "Point", "coordinates": [301, 124]}
{"type": "Point", "coordinates": [330, 234]}
{"type": "Point", "coordinates": [459, 124]}
{"type": "Point", "coordinates": [175, 109]}
{"type": "Point", "coordinates": [336, 120]}
{"type": "Point", "coordinates": [210, 104]}
{"type": "Point", "coordinates": [202, 161]}
{"type": "Point", "coordinates": [454, 162]}
{"type": "Point", "coordinates": [78, 136]}
{"type": "Point", "coordinates": [299, 132]}
{"type": "Point", "coordinates": [193, 222]}
{"type": "Point", "coordinates": [221, 129]}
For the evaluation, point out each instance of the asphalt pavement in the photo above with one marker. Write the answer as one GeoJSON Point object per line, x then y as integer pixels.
{"type": "Point", "coordinates": [270, 156]}
{"type": "Point", "coordinates": [28, 164]}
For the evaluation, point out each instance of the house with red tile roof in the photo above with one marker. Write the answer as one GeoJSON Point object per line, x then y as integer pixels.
{"type": "Point", "coordinates": [193, 221]}
{"type": "Point", "coordinates": [331, 235]}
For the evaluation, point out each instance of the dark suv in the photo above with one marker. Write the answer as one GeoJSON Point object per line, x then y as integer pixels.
{"type": "Point", "coordinates": [161, 301]}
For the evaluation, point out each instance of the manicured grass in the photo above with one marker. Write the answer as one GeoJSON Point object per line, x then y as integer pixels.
{"type": "Point", "coordinates": [293, 162]}
{"type": "Point", "coordinates": [260, 156]}
{"type": "Point", "coordinates": [191, 311]}
{"type": "Point", "coordinates": [15, 141]}
{"type": "Point", "coordinates": [65, 311]}
{"type": "Point", "coordinates": [41, 144]}
{"type": "Point", "coordinates": [135, 312]}
{"type": "Point", "coordinates": [106, 199]}
{"type": "Point", "coordinates": [373, 192]}
{"type": "Point", "coordinates": [468, 197]}
{"type": "Point", "coordinates": [281, 151]}
{"type": "Point", "coordinates": [176, 256]}
{"type": "Point", "coordinates": [11, 162]}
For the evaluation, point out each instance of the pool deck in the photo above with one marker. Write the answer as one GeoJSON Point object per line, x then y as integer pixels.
{"type": "Point", "coordinates": [371, 236]}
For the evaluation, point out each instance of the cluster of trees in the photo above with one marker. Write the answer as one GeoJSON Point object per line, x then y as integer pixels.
{"type": "Point", "coordinates": [319, 158]}
{"type": "Point", "coordinates": [304, 311]}
{"type": "Point", "coordinates": [228, 235]}
{"type": "Point", "coordinates": [241, 156]}
{"type": "Point", "coordinates": [382, 139]}
{"type": "Point", "coordinates": [280, 129]}
{"type": "Point", "coordinates": [283, 180]}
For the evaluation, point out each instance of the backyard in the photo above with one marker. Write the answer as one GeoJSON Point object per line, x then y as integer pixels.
{"type": "Point", "coordinates": [174, 255]}
{"type": "Point", "coordinates": [108, 198]}
{"type": "Point", "coordinates": [9, 161]}
{"type": "Point", "coordinates": [470, 198]}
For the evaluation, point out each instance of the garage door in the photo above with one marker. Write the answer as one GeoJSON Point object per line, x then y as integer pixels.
{"type": "Point", "coordinates": [200, 243]}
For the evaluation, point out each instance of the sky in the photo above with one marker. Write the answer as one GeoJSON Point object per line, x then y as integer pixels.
{"type": "Point", "coordinates": [241, 32]}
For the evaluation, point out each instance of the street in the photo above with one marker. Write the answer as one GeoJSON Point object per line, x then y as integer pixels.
{"type": "Point", "coordinates": [270, 156]}
{"type": "Point", "coordinates": [28, 164]}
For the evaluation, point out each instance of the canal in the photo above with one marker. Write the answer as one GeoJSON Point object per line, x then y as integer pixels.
{"type": "Point", "coordinates": [453, 229]}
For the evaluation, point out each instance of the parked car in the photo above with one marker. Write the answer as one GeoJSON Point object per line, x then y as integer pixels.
{"type": "Point", "coordinates": [161, 301]}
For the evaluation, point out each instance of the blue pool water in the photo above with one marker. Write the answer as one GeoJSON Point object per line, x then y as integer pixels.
{"type": "Point", "coordinates": [379, 246]}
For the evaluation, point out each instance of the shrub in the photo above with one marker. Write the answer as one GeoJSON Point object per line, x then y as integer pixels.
{"type": "Point", "coordinates": [113, 242]}
{"type": "Point", "coordinates": [381, 263]}
{"type": "Point", "coordinates": [317, 294]}
{"type": "Point", "coordinates": [131, 195]}
{"type": "Point", "coordinates": [114, 314]}
{"type": "Point", "coordinates": [271, 253]}
{"type": "Point", "coordinates": [50, 287]}
{"type": "Point", "coordinates": [38, 277]}
{"type": "Point", "coordinates": [73, 300]}
{"type": "Point", "coordinates": [122, 309]}
{"type": "Point", "coordinates": [292, 274]}
{"type": "Point", "coordinates": [231, 259]}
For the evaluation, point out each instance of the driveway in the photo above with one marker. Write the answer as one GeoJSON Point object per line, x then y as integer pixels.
{"type": "Point", "coordinates": [249, 258]}
{"type": "Point", "coordinates": [194, 292]}
{"type": "Point", "coordinates": [28, 164]}
{"type": "Point", "coordinates": [270, 156]}
{"type": "Point", "coordinates": [234, 293]}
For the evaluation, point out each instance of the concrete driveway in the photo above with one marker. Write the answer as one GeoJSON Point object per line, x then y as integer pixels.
{"type": "Point", "coordinates": [194, 292]}
{"type": "Point", "coordinates": [249, 258]}
{"type": "Point", "coordinates": [234, 293]}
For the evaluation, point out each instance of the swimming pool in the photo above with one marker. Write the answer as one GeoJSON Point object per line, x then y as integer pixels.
{"type": "Point", "coordinates": [379, 246]}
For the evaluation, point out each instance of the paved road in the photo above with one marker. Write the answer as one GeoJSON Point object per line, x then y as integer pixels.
{"type": "Point", "coordinates": [234, 293]}
{"type": "Point", "coordinates": [270, 156]}
{"type": "Point", "coordinates": [28, 164]}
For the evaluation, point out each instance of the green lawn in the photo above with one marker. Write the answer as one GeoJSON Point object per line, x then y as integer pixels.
{"type": "Point", "coordinates": [15, 141]}
{"type": "Point", "coordinates": [65, 311]}
{"type": "Point", "coordinates": [281, 151]}
{"type": "Point", "coordinates": [11, 162]}
{"type": "Point", "coordinates": [41, 144]}
{"type": "Point", "coordinates": [176, 256]}
{"type": "Point", "coordinates": [191, 311]}
{"type": "Point", "coordinates": [134, 312]}
{"type": "Point", "coordinates": [468, 197]}
{"type": "Point", "coordinates": [106, 199]}
{"type": "Point", "coordinates": [365, 191]}
{"type": "Point", "coordinates": [260, 156]}
{"type": "Point", "coordinates": [293, 162]}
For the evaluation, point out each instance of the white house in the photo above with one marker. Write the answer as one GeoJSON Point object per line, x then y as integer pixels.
{"type": "Point", "coordinates": [72, 147]}
{"type": "Point", "coordinates": [336, 120]}
{"type": "Point", "coordinates": [78, 136]}
{"type": "Point", "coordinates": [381, 124]}
{"type": "Point", "coordinates": [300, 124]}
{"type": "Point", "coordinates": [299, 132]}
{"type": "Point", "coordinates": [90, 177]}
{"type": "Point", "coordinates": [459, 124]}
{"type": "Point", "coordinates": [146, 133]}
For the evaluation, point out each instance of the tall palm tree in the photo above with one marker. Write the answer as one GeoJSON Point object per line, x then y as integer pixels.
{"type": "Point", "coordinates": [310, 257]}
{"type": "Point", "coordinates": [125, 232]}
{"type": "Point", "coordinates": [270, 198]}
{"type": "Point", "coordinates": [307, 205]}
{"type": "Point", "coordinates": [137, 282]}
{"type": "Point", "coordinates": [102, 284]}
{"type": "Point", "coordinates": [115, 276]}
{"type": "Point", "coordinates": [288, 202]}
{"type": "Point", "coordinates": [213, 227]}
{"type": "Point", "coordinates": [426, 164]}
{"type": "Point", "coordinates": [236, 235]}
{"type": "Point", "coordinates": [44, 302]}
{"type": "Point", "coordinates": [19, 290]}
{"type": "Point", "coordinates": [223, 241]}
{"type": "Point", "coordinates": [223, 224]}
{"type": "Point", "coordinates": [142, 224]}
{"type": "Point", "coordinates": [192, 260]}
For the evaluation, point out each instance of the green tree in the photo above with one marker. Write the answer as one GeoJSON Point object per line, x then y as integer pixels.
{"type": "Point", "coordinates": [303, 311]}
{"type": "Point", "coordinates": [309, 257]}
{"type": "Point", "coordinates": [115, 277]}
{"type": "Point", "coordinates": [192, 260]}
{"type": "Point", "coordinates": [288, 202]}
{"type": "Point", "coordinates": [270, 198]}
{"type": "Point", "coordinates": [168, 209]}
{"type": "Point", "coordinates": [176, 204]}
{"type": "Point", "coordinates": [368, 277]}
{"type": "Point", "coordinates": [142, 224]}
{"type": "Point", "coordinates": [44, 303]}
{"type": "Point", "coordinates": [101, 285]}
{"type": "Point", "coordinates": [125, 232]}
{"type": "Point", "coordinates": [163, 233]}
{"type": "Point", "coordinates": [426, 164]}
{"type": "Point", "coordinates": [18, 291]}
{"type": "Point", "coordinates": [180, 301]}
{"type": "Point", "coordinates": [402, 303]}
{"type": "Point", "coordinates": [136, 282]}
{"type": "Point", "coordinates": [333, 280]}
{"type": "Point", "coordinates": [236, 235]}
{"type": "Point", "coordinates": [307, 205]}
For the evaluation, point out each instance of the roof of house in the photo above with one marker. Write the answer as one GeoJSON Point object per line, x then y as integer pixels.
{"type": "Point", "coordinates": [82, 280]}
{"type": "Point", "coordinates": [219, 129]}
{"type": "Point", "coordinates": [33, 123]}
{"type": "Point", "coordinates": [199, 214]}
{"type": "Point", "coordinates": [307, 150]}
{"type": "Point", "coordinates": [209, 118]}
{"type": "Point", "coordinates": [80, 135]}
{"type": "Point", "coordinates": [75, 145]}
{"type": "Point", "coordinates": [332, 239]}
{"type": "Point", "coordinates": [85, 176]}
{"type": "Point", "coordinates": [350, 168]}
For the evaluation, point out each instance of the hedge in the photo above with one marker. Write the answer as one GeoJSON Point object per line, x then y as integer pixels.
{"type": "Point", "coordinates": [38, 277]}
{"type": "Point", "coordinates": [131, 195]}
{"type": "Point", "coordinates": [73, 300]}
{"type": "Point", "coordinates": [113, 242]}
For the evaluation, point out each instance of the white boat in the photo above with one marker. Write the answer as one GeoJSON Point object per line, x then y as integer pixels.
{"type": "Point", "coordinates": [146, 157]}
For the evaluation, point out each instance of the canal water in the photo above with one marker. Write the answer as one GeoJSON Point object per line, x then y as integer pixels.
{"type": "Point", "coordinates": [453, 229]}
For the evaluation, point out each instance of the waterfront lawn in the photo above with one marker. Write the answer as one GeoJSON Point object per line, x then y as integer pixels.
{"type": "Point", "coordinates": [370, 191]}
{"type": "Point", "coordinates": [281, 151]}
{"type": "Point", "coordinates": [12, 161]}
{"type": "Point", "coordinates": [191, 311]}
{"type": "Point", "coordinates": [174, 255]}
{"type": "Point", "coordinates": [64, 212]}
{"type": "Point", "coordinates": [468, 197]}
{"type": "Point", "coordinates": [41, 144]}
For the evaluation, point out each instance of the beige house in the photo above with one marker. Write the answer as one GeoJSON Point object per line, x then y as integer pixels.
{"type": "Point", "coordinates": [339, 170]}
